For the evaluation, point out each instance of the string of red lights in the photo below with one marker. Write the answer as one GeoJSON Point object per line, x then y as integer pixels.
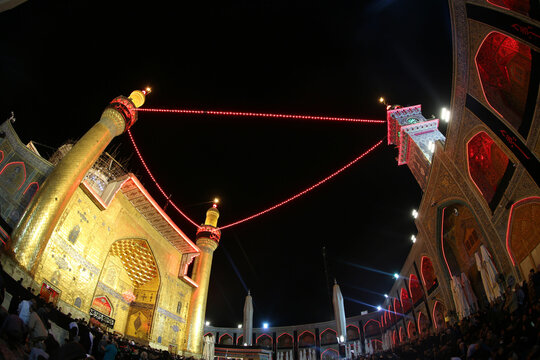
{"type": "Point", "coordinates": [250, 114]}
{"type": "Point", "coordinates": [155, 181]}
{"type": "Point", "coordinates": [273, 207]}
{"type": "Point", "coordinates": [306, 190]}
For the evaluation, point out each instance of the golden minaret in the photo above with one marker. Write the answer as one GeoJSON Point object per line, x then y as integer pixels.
{"type": "Point", "coordinates": [40, 218]}
{"type": "Point", "coordinates": [208, 236]}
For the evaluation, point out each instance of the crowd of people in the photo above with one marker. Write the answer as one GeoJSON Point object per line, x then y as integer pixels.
{"type": "Point", "coordinates": [26, 324]}
{"type": "Point", "coordinates": [508, 329]}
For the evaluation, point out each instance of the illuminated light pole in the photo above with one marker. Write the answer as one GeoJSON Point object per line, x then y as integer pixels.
{"type": "Point", "coordinates": [32, 234]}
{"type": "Point", "coordinates": [208, 236]}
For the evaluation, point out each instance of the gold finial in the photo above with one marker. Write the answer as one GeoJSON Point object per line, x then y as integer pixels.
{"type": "Point", "coordinates": [139, 96]}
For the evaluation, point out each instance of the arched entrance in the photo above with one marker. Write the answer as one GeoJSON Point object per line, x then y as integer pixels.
{"type": "Point", "coordinates": [523, 235]}
{"type": "Point", "coordinates": [129, 285]}
{"type": "Point", "coordinates": [439, 315]}
{"type": "Point", "coordinates": [461, 246]}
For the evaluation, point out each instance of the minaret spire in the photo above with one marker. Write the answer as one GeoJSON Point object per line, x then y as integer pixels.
{"type": "Point", "coordinates": [32, 234]}
{"type": "Point", "coordinates": [208, 236]}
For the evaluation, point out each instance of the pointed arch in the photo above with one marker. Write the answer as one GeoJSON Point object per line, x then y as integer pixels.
{"type": "Point", "coordinates": [329, 350]}
{"type": "Point", "coordinates": [411, 330]}
{"type": "Point", "coordinates": [503, 65]}
{"type": "Point", "coordinates": [353, 332]}
{"type": "Point", "coordinates": [306, 338]}
{"type": "Point", "coordinates": [429, 278]}
{"type": "Point", "coordinates": [238, 340]}
{"type": "Point", "coordinates": [522, 230]}
{"type": "Point", "coordinates": [285, 340]}
{"type": "Point", "coordinates": [328, 336]}
{"type": "Point", "coordinates": [29, 193]}
{"type": "Point", "coordinates": [415, 289]}
{"type": "Point", "coordinates": [225, 339]}
{"type": "Point", "coordinates": [264, 340]}
{"type": "Point", "coordinates": [372, 328]}
{"type": "Point", "coordinates": [13, 176]}
{"type": "Point", "coordinates": [406, 303]}
{"type": "Point", "coordinates": [402, 334]}
{"type": "Point", "coordinates": [438, 315]}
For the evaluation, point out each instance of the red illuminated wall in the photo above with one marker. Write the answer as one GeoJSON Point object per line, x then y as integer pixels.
{"type": "Point", "coordinates": [406, 302]}
{"type": "Point", "coordinates": [520, 6]}
{"type": "Point", "coordinates": [487, 164]}
{"type": "Point", "coordinates": [504, 67]}
{"type": "Point", "coordinates": [397, 308]}
{"type": "Point", "coordinates": [415, 288]}
{"type": "Point", "coordinates": [428, 273]}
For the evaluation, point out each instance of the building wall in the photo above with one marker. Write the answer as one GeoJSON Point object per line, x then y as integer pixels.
{"type": "Point", "coordinates": [77, 262]}
{"type": "Point", "coordinates": [450, 182]}
{"type": "Point", "coordinates": [20, 171]}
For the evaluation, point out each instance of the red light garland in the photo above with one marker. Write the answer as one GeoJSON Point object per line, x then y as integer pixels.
{"type": "Point", "coordinates": [250, 114]}
{"type": "Point", "coordinates": [303, 192]}
{"type": "Point", "coordinates": [155, 181]}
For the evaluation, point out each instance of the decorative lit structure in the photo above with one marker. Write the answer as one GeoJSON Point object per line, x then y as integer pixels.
{"type": "Point", "coordinates": [415, 137]}
{"type": "Point", "coordinates": [88, 237]}
{"type": "Point", "coordinates": [208, 236]}
{"type": "Point", "coordinates": [481, 203]}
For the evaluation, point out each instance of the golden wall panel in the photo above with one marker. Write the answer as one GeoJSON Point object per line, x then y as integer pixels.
{"type": "Point", "coordinates": [76, 262]}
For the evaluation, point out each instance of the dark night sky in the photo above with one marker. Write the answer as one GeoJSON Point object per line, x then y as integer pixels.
{"type": "Point", "coordinates": [61, 62]}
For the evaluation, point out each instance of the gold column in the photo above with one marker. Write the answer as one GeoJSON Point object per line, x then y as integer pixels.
{"type": "Point", "coordinates": [207, 240]}
{"type": "Point", "coordinates": [40, 218]}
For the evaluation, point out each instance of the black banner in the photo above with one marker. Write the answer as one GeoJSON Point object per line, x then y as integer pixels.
{"type": "Point", "coordinates": [527, 31]}
{"type": "Point", "coordinates": [102, 318]}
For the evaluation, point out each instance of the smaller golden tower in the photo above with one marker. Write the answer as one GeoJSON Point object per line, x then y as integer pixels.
{"type": "Point", "coordinates": [208, 236]}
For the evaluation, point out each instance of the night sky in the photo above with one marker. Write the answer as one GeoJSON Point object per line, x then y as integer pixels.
{"type": "Point", "coordinates": [61, 62]}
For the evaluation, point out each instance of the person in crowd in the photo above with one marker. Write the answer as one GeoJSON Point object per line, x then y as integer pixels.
{"type": "Point", "coordinates": [110, 350]}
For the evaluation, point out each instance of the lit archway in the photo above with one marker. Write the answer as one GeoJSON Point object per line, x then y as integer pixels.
{"type": "Point", "coordinates": [428, 274]}
{"type": "Point", "coordinates": [328, 336]}
{"type": "Point", "coordinates": [264, 340]}
{"type": "Point", "coordinates": [353, 332]}
{"type": "Point", "coordinates": [439, 315]}
{"type": "Point", "coordinates": [411, 330]}
{"type": "Point", "coordinates": [406, 303]}
{"type": "Point", "coordinates": [415, 289]}
{"type": "Point", "coordinates": [423, 323]}
{"type": "Point", "coordinates": [13, 176]}
{"type": "Point", "coordinates": [285, 341]}
{"type": "Point", "coordinates": [504, 68]}
{"type": "Point", "coordinates": [306, 338]}
{"type": "Point", "coordinates": [225, 339]}
{"type": "Point", "coordinates": [130, 270]}
{"type": "Point", "coordinates": [523, 235]}
{"type": "Point", "coordinates": [329, 354]}
{"type": "Point", "coordinates": [461, 242]}
{"type": "Point", "coordinates": [372, 328]}
{"type": "Point", "coordinates": [489, 167]}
